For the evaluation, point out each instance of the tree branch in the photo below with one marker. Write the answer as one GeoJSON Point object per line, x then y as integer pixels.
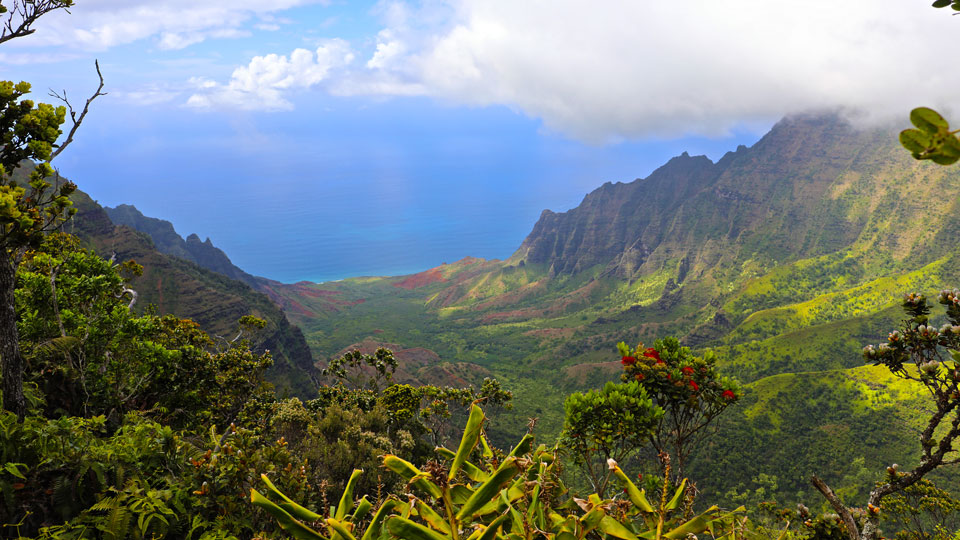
{"type": "Point", "coordinates": [76, 120]}
{"type": "Point", "coordinates": [26, 12]}
{"type": "Point", "coordinates": [852, 531]}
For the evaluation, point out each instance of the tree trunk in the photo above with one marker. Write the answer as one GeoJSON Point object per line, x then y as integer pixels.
{"type": "Point", "coordinates": [10, 357]}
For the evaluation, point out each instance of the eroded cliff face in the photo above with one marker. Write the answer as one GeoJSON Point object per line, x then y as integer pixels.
{"type": "Point", "coordinates": [808, 187]}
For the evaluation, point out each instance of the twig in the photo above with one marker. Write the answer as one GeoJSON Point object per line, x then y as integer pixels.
{"type": "Point", "coordinates": [77, 120]}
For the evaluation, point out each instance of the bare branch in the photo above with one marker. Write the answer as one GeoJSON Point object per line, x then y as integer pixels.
{"type": "Point", "coordinates": [852, 531]}
{"type": "Point", "coordinates": [24, 13]}
{"type": "Point", "coordinates": [76, 120]}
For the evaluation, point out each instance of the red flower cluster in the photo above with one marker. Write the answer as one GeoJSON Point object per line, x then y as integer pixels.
{"type": "Point", "coordinates": [652, 353]}
{"type": "Point", "coordinates": [728, 394]}
{"type": "Point", "coordinates": [695, 386]}
{"type": "Point", "coordinates": [687, 371]}
{"type": "Point", "coordinates": [628, 360]}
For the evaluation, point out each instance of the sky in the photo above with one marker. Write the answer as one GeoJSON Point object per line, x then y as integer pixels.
{"type": "Point", "coordinates": [322, 139]}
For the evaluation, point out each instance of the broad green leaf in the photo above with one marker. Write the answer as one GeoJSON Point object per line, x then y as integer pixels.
{"type": "Point", "coordinates": [288, 505]}
{"type": "Point", "coordinates": [346, 500]}
{"type": "Point", "coordinates": [285, 520]}
{"type": "Point", "coordinates": [412, 474]}
{"type": "Point", "coordinates": [942, 3]}
{"type": "Point", "coordinates": [341, 529]}
{"type": "Point", "coordinates": [915, 140]}
{"type": "Point", "coordinates": [941, 159]}
{"type": "Point", "coordinates": [473, 472]}
{"type": "Point", "coordinates": [489, 489]}
{"type": "Point", "coordinates": [928, 120]}
{"type": "Point", "coordinates": [614, 528]}
{"type": "Point", "coordinates": [696, 525]}
{"type": "Point", "coordinates": [434, 519]}
{"type": "Point", "coordinates": [490, 533]}
{"type": "Point", "coordinates": [523, 446]}
{"type": "Point", "coordinates": [471, 435]}
{"type": "Point", "coordinates": [408, 530]}
{"type": "Point", "coordinates": [373, 530]}
{"type": "Point", "coordinates": [363, 508]}
{"type": "Point", "coordinates": [677, 497]}
{"type": "Point", "coordinates": [637, 496]}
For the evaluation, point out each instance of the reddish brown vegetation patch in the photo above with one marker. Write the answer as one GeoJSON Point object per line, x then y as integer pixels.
{"type": "Point", "coordinates": [515, 315]}
{"type": "Point", "coordinates": [422, 279]}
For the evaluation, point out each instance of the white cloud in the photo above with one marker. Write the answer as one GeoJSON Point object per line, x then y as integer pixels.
{"type": "Point", "coordinates": [101, 24]}
{"type": "Point", "coordinates": [261, 84]}
{"type": "Point", "coordinates": [625, 68]}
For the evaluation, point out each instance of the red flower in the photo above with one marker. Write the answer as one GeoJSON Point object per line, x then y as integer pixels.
{"type": "Point", "coordinates": [687, 370]}
{"type": "Point", "coordinates": [628, 360]}
{"type": "Point", "coordinates": [695, 386]}
{"type": "Point", "coordinates": [652, 353]}
{"type": "Point", "coordinates": [639, 376]}
{"type": "Point", "coordinates": [728, 394]}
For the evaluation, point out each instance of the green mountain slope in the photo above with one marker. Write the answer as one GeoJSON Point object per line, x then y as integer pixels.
{"type": "Point", "coordinates": [181, 287]}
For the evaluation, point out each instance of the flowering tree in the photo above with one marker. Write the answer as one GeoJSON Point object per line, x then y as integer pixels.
{"type": "Point", "coordinates": [688, 388]}
{"type": "Point", "coordinates": [927, 355]}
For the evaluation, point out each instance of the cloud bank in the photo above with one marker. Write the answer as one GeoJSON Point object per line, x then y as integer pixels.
{"type": "Point", "coordinates": [610, 70]}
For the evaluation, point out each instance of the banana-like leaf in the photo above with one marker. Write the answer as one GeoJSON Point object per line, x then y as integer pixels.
{"type": "Point", "coordinates": [614, 528]}
{"type": "Point", "coordinates": [288, 505]}
{"type": "Point", "coordinates": [373, 530]}
{"type": "Point", "coordinates": [471, 435]}
{"type": "Point", "coordinates": [412, 474]}
{"type": "Point", "coordinates": [285, 520]}
{"type": "Point", "coordinates": [637, 496]}
{"type": "Point", "coordinates": [678, 496]}
{"type": "Point", "coordinates": [591, 520]}
{"type": "Point", "coordinates": [346, 500]}
{"type": "Point", "coordinates": [363, 508]}
{"type": "Point", "coordinates": [523, 446]}
{"type": "Point", "coordinates": [696, 525]}
{"type": "Point", "coordinates": [434, 519]}
{"type": "Point", "coordinates": [408, 530]}
{"type": "Point", "coordinates": [460, 493]}
{"type": "Point", "coordinates": [473, 472]}
{"type": "Point", "coordinates": [489, 489]}
{"type": "Point", "coordinates": [490, 533]}
{"type": "Point", "coordinates": [341, 529]}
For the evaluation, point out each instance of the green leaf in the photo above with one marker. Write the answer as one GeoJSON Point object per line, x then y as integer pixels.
{"type": "Point", "coordinates": [677, 497]}
{"type": "Point", "coordinates": [915, 140]}
{"type": "Point", "coordinates": [523, 446]}
{"type": "Point", "coordinates": [490, 533]}
{"type": "Point", "coordinates": [285, 520]}
{"type": "Point", "coordinates": [941, 159]}
{"type": "Point", "coordinates": [637, 496]}
{"type": "Point", "coordinates": [408, 530]}
{"type": "Point", "coordinates": [694, 526]}
{"type": "Point", "coordinates": [434, 519]}
{"type": "Point", "coordinates": [942, 3]}
{"type": "Point", "coordinates": [471, 435]}
{"type": "Point", "coordinates": [346, 500]}
{"type": "Point", "coordinates": [928, 120]}
{"type": "Point", "coordinates": [373, 530]}
{"type": "Point", "coordinates": [288, 505]}
{"type": "Point", "coordinates": [489, 489]}
{"type": "Point", "coordinates": [614, 528]}
{"type": "Point", "coordinates": [412, 474]}
{"type": "Point", "coordinates": [341, 529]}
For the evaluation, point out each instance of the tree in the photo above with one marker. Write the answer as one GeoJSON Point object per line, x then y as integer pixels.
{"type": "Point", "coordinates": [607, 424]}
{"type": "Point", "coordinates": [28, 133]}
{"type": "Point", "coordinates": [929, 356]}
{"type": "Point", "coordinates": [688, 388]}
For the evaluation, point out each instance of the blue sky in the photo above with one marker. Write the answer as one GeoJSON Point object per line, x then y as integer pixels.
{"type": "Point", "coordinates": [321, 139]}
